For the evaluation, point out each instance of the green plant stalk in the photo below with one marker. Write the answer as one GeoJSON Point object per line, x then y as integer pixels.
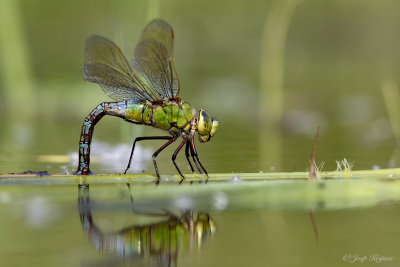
{"type": "Point", "coordinates": [228, 191]}
{"type": "Point", "coordinates": [272, 79]}
{"type": "Point", "coordinates": [17, 81]}
{"type": "Point", "coordinates": [390, 93]}
{"type": "Point", "coordinates": [213, 177]}
{"type": "Point", "coordinates": [153, 10]}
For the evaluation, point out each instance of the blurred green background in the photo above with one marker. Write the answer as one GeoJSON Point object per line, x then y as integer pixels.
{"type": "Point", "coordinates": [271, 71]}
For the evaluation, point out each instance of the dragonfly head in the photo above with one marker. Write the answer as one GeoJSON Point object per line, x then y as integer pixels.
{"type": "Point", "coordinates": [206, 126]}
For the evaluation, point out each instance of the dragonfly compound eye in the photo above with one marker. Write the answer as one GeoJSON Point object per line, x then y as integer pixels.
{"type": "Point", "coordinates": [214, 127]}
{"type": "Point", "coordinates": [204, 123]}
{"type": "Point", "coordinates": [204, 126]}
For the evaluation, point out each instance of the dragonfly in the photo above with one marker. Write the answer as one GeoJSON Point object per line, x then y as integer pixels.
{"type": "Point", "coordinates": [146, 92]}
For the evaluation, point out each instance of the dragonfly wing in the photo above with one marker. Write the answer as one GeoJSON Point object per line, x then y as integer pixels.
{"type": "Point", "coordinates": [154, 58]}
{"type": "Point", "coordinates": [106, 65]}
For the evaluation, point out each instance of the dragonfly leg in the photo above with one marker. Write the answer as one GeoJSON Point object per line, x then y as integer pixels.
{"type": "Point", "coordinates": [170, 141]}
{"type": "Point", "coordinates": [187, 154]}
{"type": "Point", "coordinates": [195, 161]}
{"type": "Point", "coordinates": [174, 157]}
{"type": "Point", "coordinates": [196, 155]}
{"type": "Point", "coordinates": [140, 139]}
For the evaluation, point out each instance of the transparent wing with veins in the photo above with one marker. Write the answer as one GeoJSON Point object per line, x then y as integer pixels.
{"type": "Point", "coordinates": [106, 65]}
{"type": "Point", "coordinates": [154, 59]}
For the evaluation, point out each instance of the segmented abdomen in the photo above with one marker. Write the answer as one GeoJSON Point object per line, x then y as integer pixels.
{"type": "Point", "coordinates": [106, 108]}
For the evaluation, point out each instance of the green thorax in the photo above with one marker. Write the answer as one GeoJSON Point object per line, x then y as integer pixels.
{"type": "Point", "coordinates": [163, 116]}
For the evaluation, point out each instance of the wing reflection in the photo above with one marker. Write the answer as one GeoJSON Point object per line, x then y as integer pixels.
{"type": "Point", "coordinates": [155, 244]}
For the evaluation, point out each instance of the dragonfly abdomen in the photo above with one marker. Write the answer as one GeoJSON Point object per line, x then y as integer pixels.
{"type": "Point", "coordinates": [106, 108]}
{"type": "Point", "coordinates": [138, 112]}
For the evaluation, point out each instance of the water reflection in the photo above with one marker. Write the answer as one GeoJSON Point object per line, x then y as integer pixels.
{"type": "Point", "coordinates": [154, 244]}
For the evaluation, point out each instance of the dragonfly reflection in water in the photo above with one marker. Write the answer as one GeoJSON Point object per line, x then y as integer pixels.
{"type": "Point", "coordinates": [147, 93]}
{"type": "Point", "coordinates": [157, 244]}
